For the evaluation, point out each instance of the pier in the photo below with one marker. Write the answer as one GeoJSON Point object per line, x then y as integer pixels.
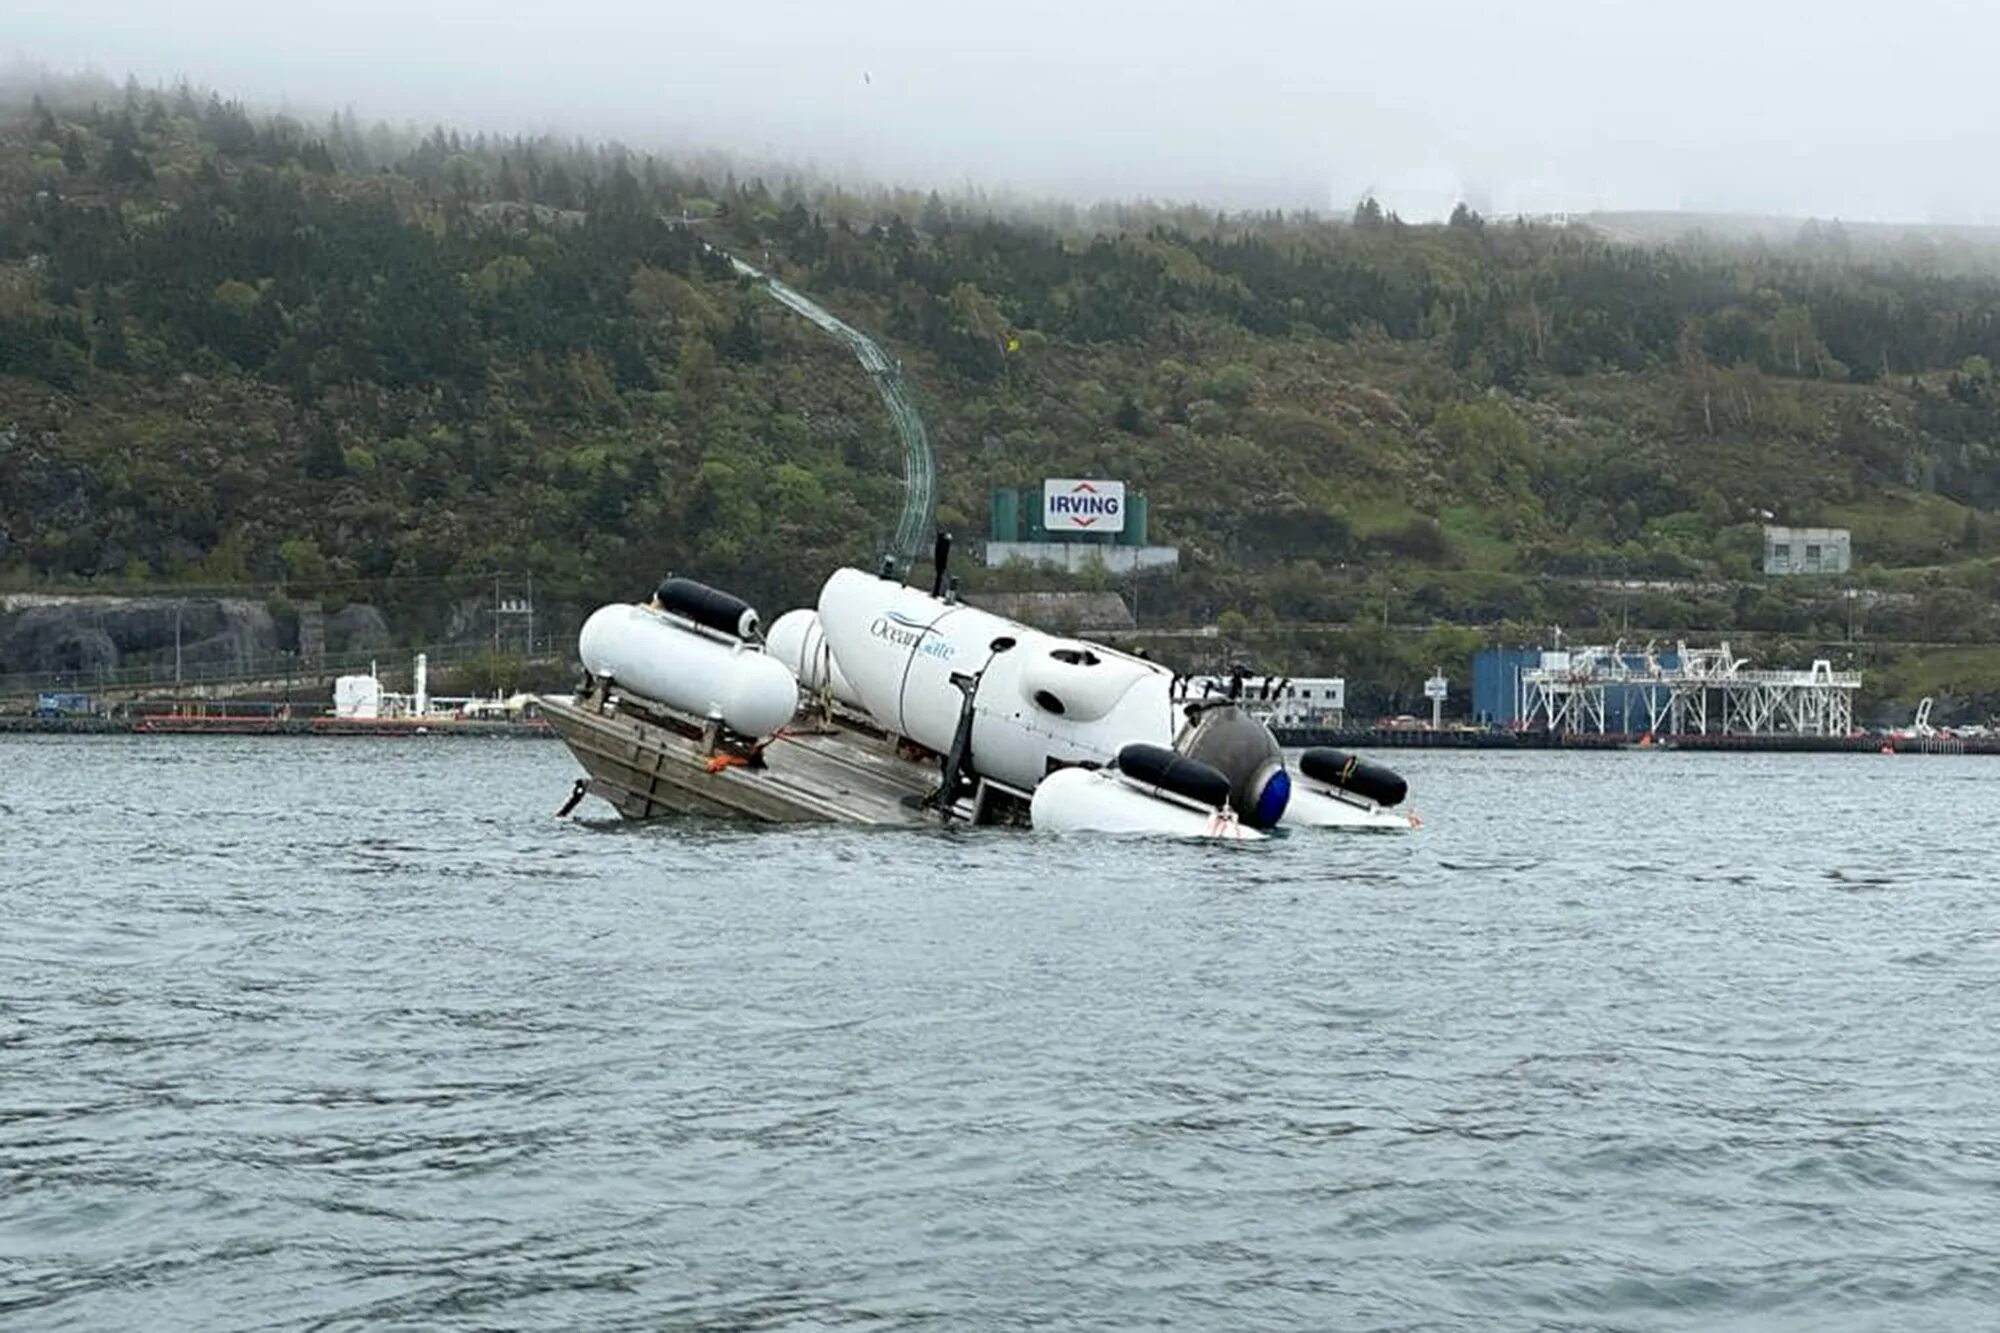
{"type": "Point", "coordinates": [1692, 692]}
{"type": "Point", "coordinates": [1480, 738]}
{"type": "Point", "coordinates": [252, 725]}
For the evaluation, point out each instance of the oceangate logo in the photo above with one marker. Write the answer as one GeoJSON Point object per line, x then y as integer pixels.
{"type": "Point", "coordinates": [908, 632]}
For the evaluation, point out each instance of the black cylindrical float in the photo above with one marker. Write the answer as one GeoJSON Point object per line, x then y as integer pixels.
{"type": "Point", "coordinates": [1169, 770]}
{"type": "Point", "coordinates": [709, 607]}
{"type": "Point", "coordinates": [1337, 768]}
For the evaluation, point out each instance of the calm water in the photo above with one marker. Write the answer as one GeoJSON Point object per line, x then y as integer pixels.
{"type": "Point", "coordinates": [342, 1033]}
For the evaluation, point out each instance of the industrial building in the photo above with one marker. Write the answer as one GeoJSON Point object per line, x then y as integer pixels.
{"type": "Point", "coordinates": [1498, 695]}
{"type": "Point", "coordinates": [1620, 690]}
{"type": "Point", "coordinates": [1074, 524]}
{"type": "Point", "coordinates": [1288, 701]}
{"type": "Point", "coordinates": [1807, 551]}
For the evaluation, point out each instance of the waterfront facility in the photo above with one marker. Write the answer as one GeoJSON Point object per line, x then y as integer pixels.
{"type": "Point", "coordinates": [1688, 691]}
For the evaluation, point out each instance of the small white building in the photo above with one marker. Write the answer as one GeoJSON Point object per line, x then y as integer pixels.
{"type": "Point", "coordinates": [1281, 701]}
{"type": "Point", "coordinates": [357, 697]}
{"type": "Point", "coordinates": [1807, 550]}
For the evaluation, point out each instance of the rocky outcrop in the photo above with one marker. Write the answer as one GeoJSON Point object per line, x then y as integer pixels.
{"type": "Point", "coordinates": [91, 635]}
{"type": "Point", "coordinates": [356, 629]}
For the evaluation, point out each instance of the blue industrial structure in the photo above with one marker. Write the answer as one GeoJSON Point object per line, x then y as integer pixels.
{"type": "Point", "coordinates": [1496, 683]}
{"type": "Point", "coordinates": [1496, 688]}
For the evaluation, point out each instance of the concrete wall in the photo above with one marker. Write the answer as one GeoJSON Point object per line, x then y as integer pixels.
{"type": "Point", "coordinates": [1064, 612]}
{"type": "Point", "coordinates": [1079, 556]}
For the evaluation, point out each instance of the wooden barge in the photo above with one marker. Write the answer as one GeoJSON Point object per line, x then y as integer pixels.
{"type": "Point", "coordinates": [826, 767]}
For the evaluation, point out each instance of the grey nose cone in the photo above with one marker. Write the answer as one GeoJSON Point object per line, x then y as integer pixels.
{"type": "Point", "coordinates": [1243, 750]}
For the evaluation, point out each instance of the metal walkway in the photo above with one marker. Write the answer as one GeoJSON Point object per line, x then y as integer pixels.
{"type": "Point", "coordinates": [1697, 692]}
{"type": "Point", "coordinates": [913, 528]}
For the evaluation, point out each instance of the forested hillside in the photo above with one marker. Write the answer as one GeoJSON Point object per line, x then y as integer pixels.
{"type": "Point", "coordinates": [240, 348]}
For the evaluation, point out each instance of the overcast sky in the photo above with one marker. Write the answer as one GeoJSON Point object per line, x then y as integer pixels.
{"type": "Point", "coordinates": [1834, 109]}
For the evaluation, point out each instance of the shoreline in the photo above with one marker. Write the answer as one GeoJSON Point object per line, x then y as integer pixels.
{"type": "Point", "coordinates": [1419, 738]}
{"type": "Point", "coordinates": [1367, 738]}
{"type": "Point", "coordinates": [240, 725]}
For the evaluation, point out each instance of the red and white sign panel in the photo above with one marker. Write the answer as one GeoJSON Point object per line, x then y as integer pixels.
{"type": "Point", "coordinates": [1072, 505]}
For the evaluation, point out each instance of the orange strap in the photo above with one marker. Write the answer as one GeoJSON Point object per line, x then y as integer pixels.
{"type": "Point", "coordinates": [717, 762]}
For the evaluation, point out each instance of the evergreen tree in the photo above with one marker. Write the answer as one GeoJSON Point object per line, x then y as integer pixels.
{"type": "Point", "coordinates": [123, 163]}
{"type": "Point", "coordinates": [324, 459]}
{"type": "Point", "coordinates": [742, 342]}
{"type": "Point", "coordinates": [935, 219]}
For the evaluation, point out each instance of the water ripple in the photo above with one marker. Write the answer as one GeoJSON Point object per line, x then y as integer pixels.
{"type": "Point", "coordinates": [325, 1035]}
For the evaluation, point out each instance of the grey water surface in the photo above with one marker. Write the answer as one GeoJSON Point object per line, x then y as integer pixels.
{"type": "Point", "coordinates": [345, 1033]}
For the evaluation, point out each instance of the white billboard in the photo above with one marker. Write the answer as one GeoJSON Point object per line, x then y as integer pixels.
{"type": "Point", "coordinates": [1072, 505]}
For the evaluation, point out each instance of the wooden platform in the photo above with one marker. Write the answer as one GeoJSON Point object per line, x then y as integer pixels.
{"type": "Point", "coordinates": [648, 766]}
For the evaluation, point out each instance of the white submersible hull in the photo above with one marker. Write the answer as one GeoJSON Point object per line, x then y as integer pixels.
{"type": "Point", "coordinates": [918, 708]}
{"type": "Point", "coordinates": [1128, 800]}
{"type": "Point", "coordinates": [1036, 702]}
{"type": "Point", "coordinates": [1312, 808]}
{"type": "Point", "coordinates": [1344, 791]}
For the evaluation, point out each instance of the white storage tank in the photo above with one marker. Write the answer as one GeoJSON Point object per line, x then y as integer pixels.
{"type": "Point", "coordinates": [701, 672]}
{"type": "Point", "coordinates": [796, 639]}
{"type": "Point", "coordinates": [357, 697]}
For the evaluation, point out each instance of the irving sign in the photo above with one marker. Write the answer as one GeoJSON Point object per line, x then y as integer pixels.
{"type": "Point", "coordinates": [1069, 505]}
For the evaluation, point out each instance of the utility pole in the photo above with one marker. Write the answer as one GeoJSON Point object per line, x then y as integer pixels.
{"type": "Point", "coordinates": [177, 645]}
{"type": "Point", "coordinates": [516, 611]}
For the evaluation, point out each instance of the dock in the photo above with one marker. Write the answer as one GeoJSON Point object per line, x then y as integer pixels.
{"type": "Point", "coordinates": [1484, 738]}
{"type": "Point", "coordinates": [259, 724]}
